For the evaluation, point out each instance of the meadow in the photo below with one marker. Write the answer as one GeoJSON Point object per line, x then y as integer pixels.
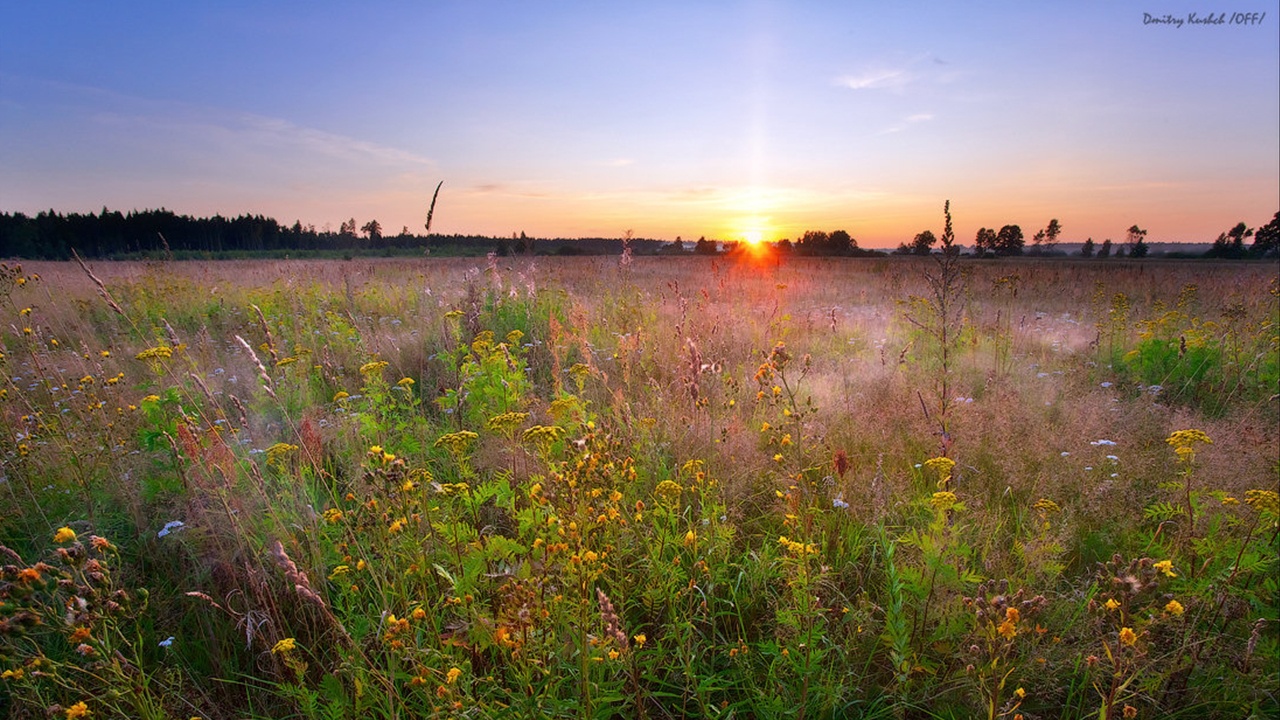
{"type": "Point", "coordinates": [648, 488]}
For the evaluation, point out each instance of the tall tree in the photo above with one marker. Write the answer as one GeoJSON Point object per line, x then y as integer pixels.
{"type": "Point", "coordinates": [923, 243]}
{"type": "Point", "coordinates": [1086, 249]}
{"type": "Point", "coordinates": [1009, 240]}
{"type": "Point", "coordinates": [1266, 241]}
{"type": "Point", "coordinates": [985, 241]}
{"type": "Point", "coordinates": [1105, 250]}
{"type": "Point", "coordinates": [372, 229]}
{"type": "Point", "coordinates": [1051, 234]}
{"type": "Point", "coordinates": [1133, 236]}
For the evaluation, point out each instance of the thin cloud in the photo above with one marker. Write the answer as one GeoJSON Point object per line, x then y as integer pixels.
{"type": "Point", "coordinates": [878, 79]}
{"type": "Point", "coordinates": [918, 117]}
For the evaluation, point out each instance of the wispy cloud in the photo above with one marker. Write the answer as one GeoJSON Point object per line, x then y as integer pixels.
{"type": "Point", "coordinates": [876, 79]}
{"type": "Point", "coordinates": [918, 117]}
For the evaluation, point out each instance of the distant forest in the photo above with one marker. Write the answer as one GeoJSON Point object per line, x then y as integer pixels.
{"type": "Point", "coordinates": [162, 233]}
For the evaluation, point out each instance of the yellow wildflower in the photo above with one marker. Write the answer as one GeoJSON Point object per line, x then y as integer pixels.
{"type": "Point", "coordinates": [1166, 567]}
{"type": "Point", "coordinates": [1266, 502]}
{"type": "Point", "coordinates": [78, 710]}
{"type": "Point", "coordinates": [64, 535]}
{"type": "Point", "coordinates": [452, 676]}
{"type": "Point", "coordinates": [1008, 629]}
{"type": "Point", "coordinates": [941, 467]}
{"type": "Point", "coordinates": [1128, 636]}
{"type": "Point", "coordinates": [332, 515]}
{"type": "Point", "coordinates": [405, 382]}
{"type": "Point", "coordinates": [640, 640]}
{"type": "Point", "coordinates": [1112, 605]}
{"type": "Point", "coordinates": [1187, 438]}
{"type": "Point", "coordinates": [943, 500]}
{"type": "Point", "coordinates": [456, 442]}
{"type": "Point", "coordinates": [284, 646]}
{"type": "Point", "coordinates": [668, 492]}
{"type": "Point", "coordinates": [1173, 607]}
{"type": "Point", "coordinates": [690, 538]}
{"type": "Point", "coordinates": [341, 395]}
{"type": "Point", "coordinates": [372, 367]}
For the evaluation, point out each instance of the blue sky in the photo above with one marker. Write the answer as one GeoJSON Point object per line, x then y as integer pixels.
{"type": "Point", "coordinates": [685, 118]}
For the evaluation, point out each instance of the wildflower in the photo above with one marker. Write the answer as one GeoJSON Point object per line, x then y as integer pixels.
{"type": "Point", "coordinates": [284, 646]}
{"type": "Point", "coordinates": [78, 635]}
{"type": "Point", "coordinates": [372, 367]}
{"type": "Point", "coordinates": [1166, 567]}
{"type": "Point", "coordinates": [690, 538]}
{"type": "Point", "coordinates": [457, 442]}
{"type": "Point", "coordinates": [419, 614]}
{"type": "Point", "coordinates": [277, 452]}
{"type": "Point", "coordinates": [1046, 506]}
{"type": "Point", "coordinates": [339, 571]}
{"type": "Point", "coordinates": [640, 640]}
{"type": "Point", "coordinates": [341, 395]}
{"type": "Point", "coordinates": [1009, 628]}
{"type": "Point", "coordinates": [160, 352]}
{"type": "Point", "coordinates": [405, 382]}
{"type": "Point", "coordinates": [943, 501]}
{"type": "Point", "coordinates": [64, 535]}
{"type": "Point", "coordinates": [167, 642]}
{"type": "Point", "coordinates": [332, 515]}
{"type": "Point", "coordinates": [286, 361]}
{"type": "Point", "coordinates": [613, 654]}
{"type": "Point", "coordinates": [1021, 693]}
{"type": "Point", "coordinates": [1127, 636]}
{"type": "Point", "coordinates": [1174, 608]}
{"type": "Point", "coordinates": [1264, 501]}
{"type": "Point", "coordinates": [396, 526]}
{"type": "Point", "coordinates": [668, 492]}
{"type": "Point", "coordinates": [507, 422]}
{"type": "Point", "coordinates": [1130, 712]}
{"type": "Point", "coordinates": [86, 650]}
{"type": "Point", "coordinates": [78, 710]}
{"type": "Point", "coordinates": [777, 457]}
{"type": "Point", "coordinates": [1111, 604]}
{"type": "Point", "coordinates": [29, 575]}
{"type": "Point", "coordinates": [171, 527]}
{"type": "Point", "coordinates": [942, 467]}
{"type": "Point", "coordinates": [452, 676]}
{"type": "Point", "coordinates": [1188, 438]}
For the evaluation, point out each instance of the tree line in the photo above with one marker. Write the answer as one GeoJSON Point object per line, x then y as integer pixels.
{"type": "Point", "coordinates": [50, 235]}
{"type": "Point", "coordinates": [1010, 241]}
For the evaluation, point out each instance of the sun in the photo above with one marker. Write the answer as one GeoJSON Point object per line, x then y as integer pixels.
{"type": "Point", "coordinates": [753, 236]}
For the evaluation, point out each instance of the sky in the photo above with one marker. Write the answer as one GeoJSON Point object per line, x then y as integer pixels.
{"type": "Point", "coordinates": [728, 120]}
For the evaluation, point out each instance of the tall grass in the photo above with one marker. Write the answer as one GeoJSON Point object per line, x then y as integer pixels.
{"type": "Point", "coordinates": [693, 488]}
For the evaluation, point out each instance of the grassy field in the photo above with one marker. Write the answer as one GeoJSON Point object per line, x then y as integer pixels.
{"type": "Point", "coordinates": [665, 488]}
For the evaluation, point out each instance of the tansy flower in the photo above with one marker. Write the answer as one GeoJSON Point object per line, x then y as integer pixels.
{"type": "Point", "coordinates": [1127, 636]}
{"type": "Point", "coordinates": [452, 676]}
{"type": "Point", "coordinates": [284, 646]}
{"type": "Point", "coordinates": [78, 710]}
{"type": "Point", "coordinates": [1173, 607]}
{"type": "Point", "coordinates": [1166, 567]}
{"type": "Point", "coordinates": [64, 535]}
